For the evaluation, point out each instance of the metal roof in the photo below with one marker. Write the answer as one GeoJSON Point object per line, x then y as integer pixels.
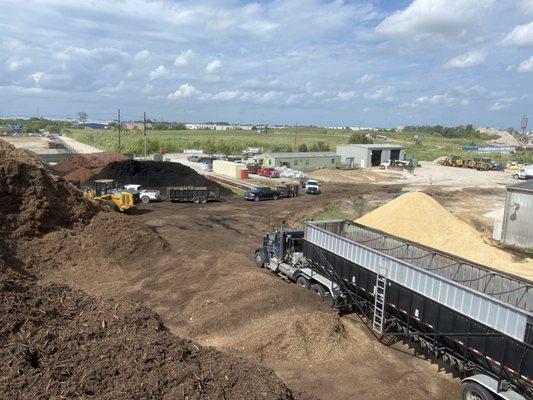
{"type": "Point", "coordinates": [310, 154]}
{"type": "Point", "coordinates": [374, 146]}
{"type": "Point", "coordinates": [526, 186]}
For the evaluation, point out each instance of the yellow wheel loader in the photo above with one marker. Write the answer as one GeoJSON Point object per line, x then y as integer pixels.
{"type": "Point", "coordinates": [106, 194]}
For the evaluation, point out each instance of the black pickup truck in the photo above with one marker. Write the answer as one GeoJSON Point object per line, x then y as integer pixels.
{"type": "Point", "coordinates": [262, 193]}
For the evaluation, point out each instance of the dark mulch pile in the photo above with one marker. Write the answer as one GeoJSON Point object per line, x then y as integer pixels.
{"type": "Point", "coordinates": [156, 174]}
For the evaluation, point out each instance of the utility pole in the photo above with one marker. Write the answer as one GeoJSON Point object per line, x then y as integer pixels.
{"type": "Point", "coordinates": [145, 134]}
{"type": "Point", "coordinates": [119, 130]}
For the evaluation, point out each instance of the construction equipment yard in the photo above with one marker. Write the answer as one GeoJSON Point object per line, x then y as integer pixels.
{"type": "Point", "coordinates": [193, 265]}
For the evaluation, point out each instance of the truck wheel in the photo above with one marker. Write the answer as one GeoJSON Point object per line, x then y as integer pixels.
{"type": "Point", "coordinates": [275, 197]}
{"type": "Point", "coordinates": [515, 176]}
{"type": "Point", "coordinates": [329, 300]}
{"type": "Point", "coordinates": [203, 200]}
{"type": "Point", "coordinates": [318, 290]}
{"type": "Point", "coordinates": [303, 282]}
{"type": "Point", "coordinates": [256, 198]}
{"type": "Point", "coordinates": [108, 206]}
{"type": "Point", "coordinates": [474, 391]}
{"type": "Point", "coordinates": [196, 200]}
{"type": "Point", "coordinates": [259, 259]}
{"type": "Point", "coordinates": [145, 199]}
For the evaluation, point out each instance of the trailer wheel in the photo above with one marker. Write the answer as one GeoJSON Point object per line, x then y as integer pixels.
{"type": "Point", "coordinates": [145, 199]}
{"type": "Point", "coordinates": [203, 200]}
{"type": "Point", "coordinates": [318, 290]}
{"type": "Point", "coordinates": [474, 391]}
{"type": "Point", "coordinates": [303, 282]}
{"type": "Point", "coordinates": [259, 259]}
{"type": "Point", "coordinates": [195, 200]}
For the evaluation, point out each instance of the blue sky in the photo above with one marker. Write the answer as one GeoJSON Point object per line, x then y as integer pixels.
{"type": "Point", "coordinates": [377, 63]}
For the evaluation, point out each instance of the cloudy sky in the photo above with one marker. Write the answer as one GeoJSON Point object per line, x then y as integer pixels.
{"type": "Point", "coordinates": [375, 62]}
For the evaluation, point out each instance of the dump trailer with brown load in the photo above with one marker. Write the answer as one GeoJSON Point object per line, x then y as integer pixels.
{"type": "Point", "coordinates": [288, 190]}
{"type": "Point", "coordinates": [193, 194]}
{"type": "Point", "coordinates": [476, 319]}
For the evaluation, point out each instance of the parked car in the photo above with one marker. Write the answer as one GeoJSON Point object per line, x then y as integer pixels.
{"type": "Point", "coordinates": [262, 193]}
{"type": "Point", "coordinates": [312, 187]}
{"type": "Point", "coordinates": [268, 172]}
{"type": "Point", "coordinates": [524, 173]}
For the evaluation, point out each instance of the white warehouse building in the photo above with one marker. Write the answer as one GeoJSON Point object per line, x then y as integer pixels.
{"type": "Point", "coordinates": [369, 155]}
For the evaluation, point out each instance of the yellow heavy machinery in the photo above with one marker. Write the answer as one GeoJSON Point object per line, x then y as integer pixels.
{"type": "Point", "coordinates": [106, 194]}
{"type": "Point", "coordinates": [456, 161]}
{"type": "Point", "coordinates": [481, 164]}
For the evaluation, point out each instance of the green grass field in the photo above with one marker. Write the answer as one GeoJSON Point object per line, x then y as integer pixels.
{"type": "Point", "coordinates": [421, 145]}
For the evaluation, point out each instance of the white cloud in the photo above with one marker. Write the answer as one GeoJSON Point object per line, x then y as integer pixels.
{"type": "Point", "coordinates": [213, 66]}
{"type": "Point", "coordinates": [159, 72]}
{"type": "Point", "coordinates": [142, 56]}
{"type": "Point", "coordinates": [185, 91]}
{"type": "Point", "coordinates": [345, 95]}
{"type": "Point", "coordinates": [423, 17]}
{"type": "Point", "coordinates": [527, 6]}
{"type": "Point", "coordinates": [503, 103]}
{"type": "Point", "coordinates": [497, 106]}
{"type": "Point", "coordinates": [14, 64]}
{"type": "Point", "coordinates": [444, 99]}
{"type": "Point", "coordinates": [225, 95]}
{"type": "Point", "coordinates": [36, 76]}
{"type": "Point", "coordinates": [526, 65]}
{"type": "Point", "coordinates": [520, 36]}
{"type": "Point", "coordinates": [470, 59]}
{"type": "Point", "coordinates": [112, 89]}
{"type": "Point", "coordinates": [366, 78]}
{"type": "Point", "coordinates": [184, 58]}
{"type": "Point", "coordinates": [384, 94]}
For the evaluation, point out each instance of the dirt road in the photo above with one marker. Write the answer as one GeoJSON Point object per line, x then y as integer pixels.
{"type": "Point", "coordinates": [207, 288]}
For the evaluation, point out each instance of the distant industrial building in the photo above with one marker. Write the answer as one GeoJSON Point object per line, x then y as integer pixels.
{"type": "Point", "coordinates": [491, 149]}
{"type": "Point", "coordinates": [516, 228]}
{"type": "Point", "coordinates": [219, 127]}
{"type": "Point", "coordinates": [137, 126]}
{"type": "Point", "coordinates": [369, 155]}
{"type": "Point", "coordinates": [303, 160]}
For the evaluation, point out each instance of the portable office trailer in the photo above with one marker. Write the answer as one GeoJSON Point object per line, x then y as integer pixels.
{"type": "Point", "coordinates": [369, 155]}
{"type": "Point", "coordinates": [517, 222]}
{"type": "Point", "coordinates": [304, 161]}
{"type": "Point", "coordinates": [471, 313]}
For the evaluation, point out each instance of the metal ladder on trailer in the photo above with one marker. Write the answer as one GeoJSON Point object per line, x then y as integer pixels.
{"type": "Point", "coordinates": [379, 300]}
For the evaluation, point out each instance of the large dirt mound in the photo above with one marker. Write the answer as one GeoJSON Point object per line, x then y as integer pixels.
{"type": "Point", "coordinates": [111, 241]}
{"type": "Point", "coordinates": [59, 343]}
{"type": "Point", "coordinates": [89, 161]}
{"type": "Point", "coordinates": [56, 342]}
{"type": "Point", "coordinates": [420, 218]}
{"type": "Point", "coordinates": [33, 202]}
{"type": "Point", "coordinates": [82, 167]}
{"type": "Point", "coordinates": [156, 174]}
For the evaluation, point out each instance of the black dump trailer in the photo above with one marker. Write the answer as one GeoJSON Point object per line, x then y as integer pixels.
{"type": "Point", "coordinates": [288, 190]}
{"type": "Point", "coordinates": [192, 194]}
{"type": "Point", "coordinates": [476, 318]}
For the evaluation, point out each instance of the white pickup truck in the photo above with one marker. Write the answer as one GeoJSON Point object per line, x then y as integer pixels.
{"type": "Point", "coordinates": [524, 173]}
{"type": "Point", "coordinates": [145, 196]}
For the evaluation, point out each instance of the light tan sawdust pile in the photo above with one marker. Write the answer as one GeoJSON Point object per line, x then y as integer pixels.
{"type": "Point", "coordinates": [420, 218]}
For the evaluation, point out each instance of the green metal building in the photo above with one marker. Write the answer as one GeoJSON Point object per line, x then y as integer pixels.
{"type": "Point", "coordinates": [305, 161]}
